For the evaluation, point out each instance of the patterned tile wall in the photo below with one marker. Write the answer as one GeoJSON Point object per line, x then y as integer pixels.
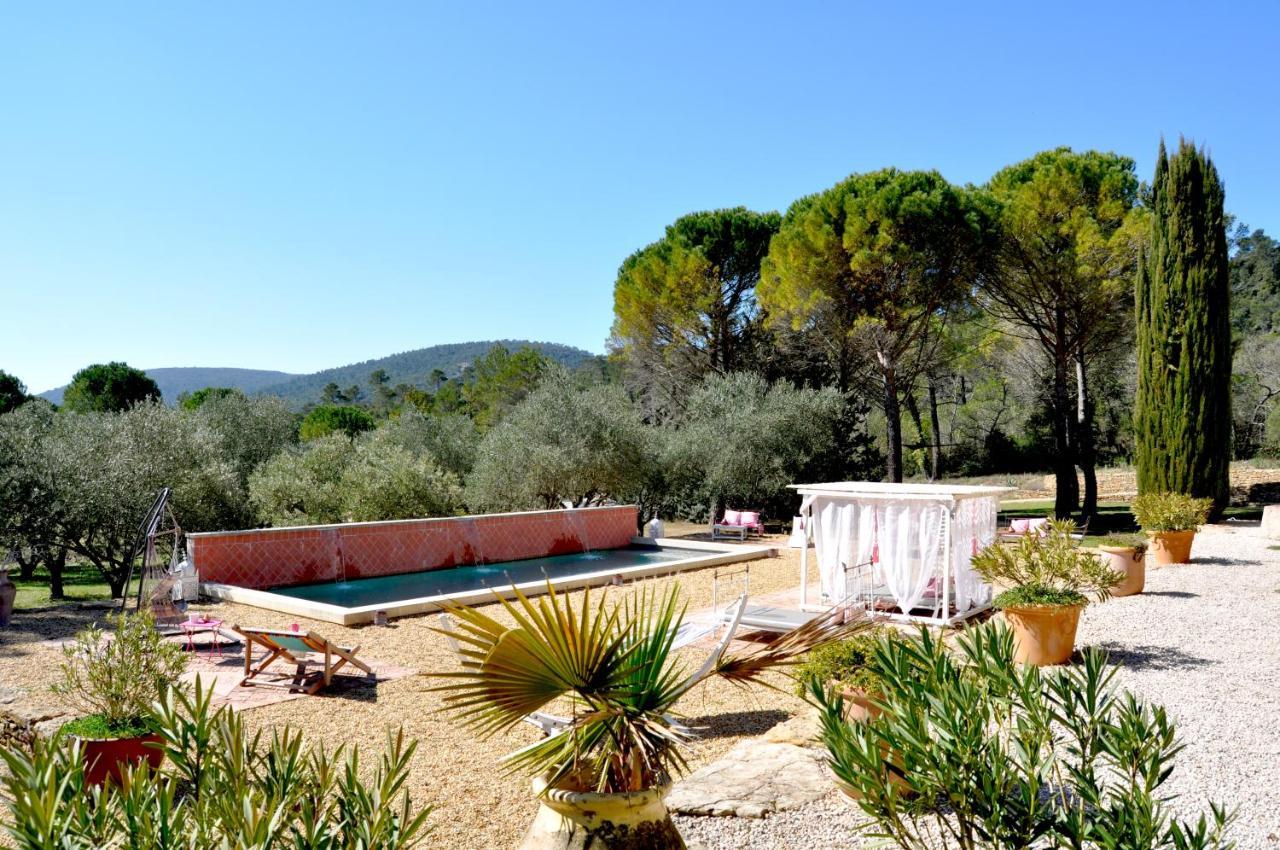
{"type": "Point", "coordinates": [282, 556]}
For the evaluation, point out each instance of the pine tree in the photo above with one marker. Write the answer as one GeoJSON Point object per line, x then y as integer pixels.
{"type": "Point", "coordinates": [1183, 410]}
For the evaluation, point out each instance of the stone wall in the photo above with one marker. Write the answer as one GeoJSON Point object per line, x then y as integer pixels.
{"type": "Point", "coordinates": [1249, 485]}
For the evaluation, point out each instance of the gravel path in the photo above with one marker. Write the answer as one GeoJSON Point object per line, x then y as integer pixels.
{"type": "Point", "coordinates": [1203, 639]}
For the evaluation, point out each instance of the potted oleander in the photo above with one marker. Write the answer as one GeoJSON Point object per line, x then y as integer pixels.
{"type": "Point", "coordinates": [115, 678]}
{"type": "Point", "coordinates": [1127, 554]}
{"type": "Point", "coordinates": [602, 781]}
{"type": "Point", "coordinates": [1171, 521]}
{"type": "Point", "coordinates": [1049, 580]}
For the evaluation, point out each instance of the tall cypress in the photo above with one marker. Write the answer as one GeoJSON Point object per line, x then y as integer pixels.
{"type": "Point", "coordinates": [1183, 409]}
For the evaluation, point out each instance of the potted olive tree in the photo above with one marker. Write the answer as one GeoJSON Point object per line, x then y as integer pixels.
{"type": "Point", "coordinates": [116, 678]}
{"type": "Point", "coordinates": [1127, 554]}
{"type": "Point", "coordinates": [1047, 577]}
{"type": "Point", "coordinates": [1171, 521]}
{"type": "Point", "coordinates": [602, 782]}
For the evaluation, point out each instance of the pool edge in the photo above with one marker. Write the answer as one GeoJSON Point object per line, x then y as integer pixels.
{"type": "Point", "coordinates": [717, 555]}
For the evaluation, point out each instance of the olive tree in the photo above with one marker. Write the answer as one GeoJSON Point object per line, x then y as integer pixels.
{"type": "Point", "coordinates": [744, 440]}
{"type": "Point", "coordinates": [563, 444]}
{"type": "Point", "coordinates": [31, 512]}
{"type": "Point", "coordinates": [451, 438]}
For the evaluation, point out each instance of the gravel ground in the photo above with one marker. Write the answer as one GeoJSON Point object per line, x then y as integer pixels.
{"type": "Point", "coordinates": [1201, 640]}
{"type": "Point", "coordinates": [476, 807]}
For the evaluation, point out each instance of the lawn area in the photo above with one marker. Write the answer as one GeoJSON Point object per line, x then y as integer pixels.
{"type": "Point", "coordinates": [82, 583]}
{"type": "Point", "coordinates": [1113, 517]}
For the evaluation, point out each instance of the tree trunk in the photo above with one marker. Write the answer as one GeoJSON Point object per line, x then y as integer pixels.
{"type": "Point", "coordinates": [26, 563]}
{"type": "Point", "coordinates": [1067, 495]}
{"type": "Point", "coordinates": [935, 450]}
{"type": "Point", "coordinates": [893, 422]}
{"type": "Point", "coordinates": [1086, 450]}
{"type": "Point", "coordinates": [56, 561]}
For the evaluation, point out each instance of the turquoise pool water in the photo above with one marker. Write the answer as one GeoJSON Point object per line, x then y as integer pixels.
{"type": "Point", "coordinates": [385, 590]}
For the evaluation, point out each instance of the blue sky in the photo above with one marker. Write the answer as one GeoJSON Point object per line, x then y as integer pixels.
{"type": "Point", "coordinates": [302, 185]}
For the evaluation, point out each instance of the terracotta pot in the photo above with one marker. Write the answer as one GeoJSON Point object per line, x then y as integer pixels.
{"type": "Point", "coordinates": [106, 758]}
{"type": "Point", "coordinates": [1044, 635]}
{"type": "Point", "coordinates": [588, 820]}
{"type": "Point", "coordinates": [1171, 547]}
{"type": "Point", "coordinates": [858, 707]}
{"type": "Point", "coordinates": [1125, 559]}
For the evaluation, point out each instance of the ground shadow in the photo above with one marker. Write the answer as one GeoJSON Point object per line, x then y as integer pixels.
{"type": "Point", "coordinates": [37, 625]}
{"type": "Point", "coordinates": [1225, 562]}
{"type": "Point", "coordinates": [1148, 657]}
{"type": "Point", "coordinates": [736, 723]}
{"type": "Point", "coordinates": [1172, 594]}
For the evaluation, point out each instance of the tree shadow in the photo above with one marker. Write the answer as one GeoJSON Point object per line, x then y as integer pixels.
{"type": "Point", "coordinates": [751, 723]}
{"type": "Point", "coordinates": [41, 625]}
{"type": "Point", "coordinates": [1149, 657]}
{"type": "Point", "coordinates": [1225, 562]}
{"type": "Point", "coordinates": [1172, 594]}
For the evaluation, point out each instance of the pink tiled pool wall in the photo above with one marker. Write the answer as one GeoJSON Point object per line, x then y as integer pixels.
{"type": "Point", "coordinates": [275, 557]}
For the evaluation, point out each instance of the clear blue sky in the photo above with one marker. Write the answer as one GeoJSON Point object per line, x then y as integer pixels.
{"type": "Point", "coordinates": [302, 185]}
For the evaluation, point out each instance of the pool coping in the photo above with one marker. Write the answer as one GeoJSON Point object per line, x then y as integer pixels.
{"type": "Point", "coordinates": [717, 554]}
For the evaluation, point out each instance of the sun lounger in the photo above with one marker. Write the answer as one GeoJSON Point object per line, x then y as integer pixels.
{"type": "Point", "coordinates": [302, 650]}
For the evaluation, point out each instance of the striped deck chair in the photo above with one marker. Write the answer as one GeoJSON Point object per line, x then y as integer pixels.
{"type": "Point", "coordinates": [301, 649]}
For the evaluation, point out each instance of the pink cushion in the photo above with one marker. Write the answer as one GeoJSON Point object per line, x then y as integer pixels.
{"type": "Point", "coordinates": [732, 518]}
{"type": "Point", "coordinates": [1040, 526]}
{"type": "Point", "coordinates": [1022, 526]}
{"type": "Point", "coordinates": [749, 518]}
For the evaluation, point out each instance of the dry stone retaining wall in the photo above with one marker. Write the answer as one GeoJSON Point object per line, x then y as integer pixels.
{"type": "Point", "coordinates": [23, 720]}
{"type": "Point", "coordinates": [1248, 484]}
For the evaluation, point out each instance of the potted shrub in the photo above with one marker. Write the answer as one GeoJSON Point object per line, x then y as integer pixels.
{"type": "Point", "coordinates": [846, 666]}
{"type": "Point", "coordinates": [1001, 756]}
{"type": "Point", "coordinates": [1171, 521]}
{"type": "Point", "coordinates": [1047, 577]}
{"type": "Point", "coordinates": [1127, 554]}
{"type": "Point", "coordinates": [116, 678]}
{"type": "Point", "coordinates": [602, 782]}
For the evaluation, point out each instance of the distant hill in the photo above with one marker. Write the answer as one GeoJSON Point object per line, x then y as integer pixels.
{"type": "Point", "coordinates": [413, 367]}
{"type": "Point", "coordinates": [173, 382]}
{"type": "Point", "coordinates": [407, 367]}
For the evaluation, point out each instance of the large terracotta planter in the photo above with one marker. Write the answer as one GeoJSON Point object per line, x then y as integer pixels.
{"type": "Point", "coordinates": [106, 758]}
{"type": "Point", "coordinates": [588, 820]}
{"type": "Point", "coordinates": [1044, 635]}
{"type": "Point", "coordinates": [858, 707]}
{"type": "Point", "coordinates": [1125, 559]}
{"type": "Point", "coordinates": [1171, 547]}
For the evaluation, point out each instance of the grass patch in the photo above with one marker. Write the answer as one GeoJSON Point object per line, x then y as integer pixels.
{"type": "Point", "coordinates": [1113, 517]}
{"type": "Point", "coordinates": [95, 726]}
{"type": "Point", "coordinates": [81, 583]}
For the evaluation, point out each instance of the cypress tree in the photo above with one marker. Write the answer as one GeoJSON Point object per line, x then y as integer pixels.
{"type": "Point", "coordinates": [1183, 408]}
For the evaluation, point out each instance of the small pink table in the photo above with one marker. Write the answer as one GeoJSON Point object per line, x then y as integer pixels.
{"type": "Point", "coordinates": [191, 628]}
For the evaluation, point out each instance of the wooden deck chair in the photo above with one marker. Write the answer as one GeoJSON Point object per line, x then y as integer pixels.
{"type": "Point", "coordinates": [301, 649]}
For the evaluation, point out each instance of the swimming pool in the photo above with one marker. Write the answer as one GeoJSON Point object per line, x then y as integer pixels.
{"type": "Point", "coordinates": [358, 600]}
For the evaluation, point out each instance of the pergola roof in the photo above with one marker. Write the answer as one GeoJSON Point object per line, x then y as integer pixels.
{"type": "Point", "coordinates": [883, 491]}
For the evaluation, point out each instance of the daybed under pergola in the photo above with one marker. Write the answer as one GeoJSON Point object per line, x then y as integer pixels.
{"type": "Point", "coordinates": [901, 550]}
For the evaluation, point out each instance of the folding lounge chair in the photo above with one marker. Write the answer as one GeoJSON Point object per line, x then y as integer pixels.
{"type": "Point", "coordinates": [301, 649]}
{"type": "Point", "coordinates": [554, 724]}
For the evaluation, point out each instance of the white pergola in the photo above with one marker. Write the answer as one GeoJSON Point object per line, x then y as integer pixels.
{"type": "Point", "coordinates": [902, 546]}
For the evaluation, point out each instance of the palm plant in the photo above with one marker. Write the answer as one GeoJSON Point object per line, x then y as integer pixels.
{"type": "Point", "coordinates": [616, 661]}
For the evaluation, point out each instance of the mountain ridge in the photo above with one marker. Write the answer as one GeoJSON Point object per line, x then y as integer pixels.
{"type": "Point", "coordinates": [411, 367]}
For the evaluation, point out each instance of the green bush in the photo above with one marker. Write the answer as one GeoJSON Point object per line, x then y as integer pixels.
{"type": "Point", "coordinates": [220, 787]}
{"type": "Point", "coordinates": [1170, 512]}
{"type": "Point", "coordinates": [998, 754]}
{"type": "Point", "coordinates": [333, 418]}
{"type": "Point", "coordinates": [1046, 569]}
{"type": "Point", "coordinates": [847, 662]}
{"type": "Point", "coordinates": [117, 678]}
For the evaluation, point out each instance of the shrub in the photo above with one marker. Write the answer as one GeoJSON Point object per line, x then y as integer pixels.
{"type": "Point", "coordinates": [996, 754]}
{"type": "Point", "coordinates": [221, 787]}
{"type": "Point", "coordinates": [1170, 512]}
{"type": "Point", "coordinates": [117, 678]}
{"type": "Point", "coordinates": [334, 418]}
{"type": "Point", "coordinates": [848, 662]}
{"type": "Point", "coordinates": [1046, 569]}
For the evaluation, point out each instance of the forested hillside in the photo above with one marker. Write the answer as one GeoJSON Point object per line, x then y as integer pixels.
{"type": "Point", "coordinates": [173, 382]}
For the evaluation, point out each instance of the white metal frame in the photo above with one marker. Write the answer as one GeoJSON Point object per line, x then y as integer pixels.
{"type": "Point", "coordinates": [945, 496]}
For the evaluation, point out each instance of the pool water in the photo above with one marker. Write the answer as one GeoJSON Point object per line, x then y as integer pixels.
{"type": "Point", "coordinates": [397, 588]}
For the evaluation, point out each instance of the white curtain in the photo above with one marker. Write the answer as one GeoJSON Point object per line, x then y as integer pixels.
{"type": "Point", "coordinates": [833, 543]}
{"type": "Point", "coordinates": [910, 550]}
{"type": "Point", "coordinates": [973, 529]}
